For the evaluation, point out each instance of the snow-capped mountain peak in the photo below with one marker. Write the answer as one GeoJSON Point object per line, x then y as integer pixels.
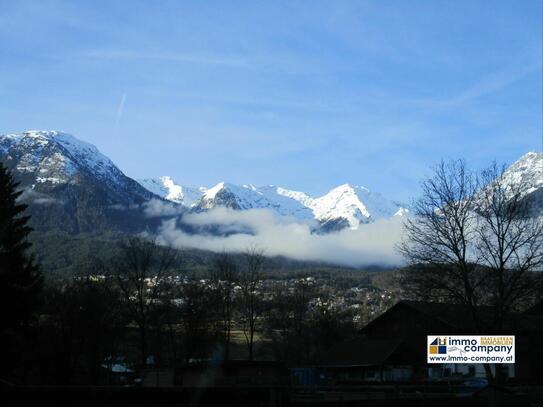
{"type": "Point", "coordinates": [342, 201]}
{"type": "Point", "coordinates": [70, 184]}
{"type": "Point", "coordinates": [356, 204]}
{"type": "Point", "coordinates": [345, 203]}
{"type": "Point", "coordinates": [248, 196]}
{"type": "Point", "coordinates": [212, 192]}
{"type": "Point", "coordinates": [168, 189]}
{"type": "Point", "coordinates": [55, 157]}
{"type": "Point", "coordinates": [527, 172]}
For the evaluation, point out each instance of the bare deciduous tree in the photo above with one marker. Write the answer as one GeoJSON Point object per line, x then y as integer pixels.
{"type": "Point", "coordinates": [508, 243]}
{"type": "Point", "coordinates": [439, 236]}
{"type": "Point", "coordinates": [287, 321]}
{"type": "Point", "coordinates": [225, 276]}
{"type": "Point", "coordinates": [141, 272]}
{"type": "Point", "coordinates": [251, 304]}
{"type": "Point", "coordinates": [472, 242]}
{"type": "Point", "coordinates": [196, 312]}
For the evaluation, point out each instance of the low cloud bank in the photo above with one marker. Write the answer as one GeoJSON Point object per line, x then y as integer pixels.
{"type": "Point", "coordinates": [234, 231]}
{"type": "Point", "coordinates": [156, 208]}
{"type": "Point", "coordinates": [37, 198]}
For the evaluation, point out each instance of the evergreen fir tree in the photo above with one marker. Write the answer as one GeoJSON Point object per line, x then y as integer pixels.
{"type": "Point", "coordinates": [20, 277]}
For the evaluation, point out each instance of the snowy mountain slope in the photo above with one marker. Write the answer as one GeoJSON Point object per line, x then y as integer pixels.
{"type": "Point", "coordinates": [351, 205]}
{"type": "Point", "coordinates": [355, 204]}
{"type": "Point", "coordinates": [70, 185]}
{"type": "Point", "coordinates": [527, 171]}
{"type": "Point", "coordinates": [523, 177]}
{"type": "Point", "coordinates": [344, 206]}
{"type": "Point", "coordinates": [291, 203]}
{"type": "Point", "coordinates": [240, 197]}
{"type": "Point", "coordinates": [250, 197]}
{"type": "Point", "coordinates": [49, 158]}
{"type": "Point", "coordinates": [168, 189]}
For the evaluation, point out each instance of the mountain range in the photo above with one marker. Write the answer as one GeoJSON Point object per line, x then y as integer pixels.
{"type": "Point", "coordinates": [71, 186]}
{"type": "Point", "coordinates": [346, 204]}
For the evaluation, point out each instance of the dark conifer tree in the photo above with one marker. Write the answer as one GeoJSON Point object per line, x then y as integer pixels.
{"type": "Point", "coordinates": [20, 277]}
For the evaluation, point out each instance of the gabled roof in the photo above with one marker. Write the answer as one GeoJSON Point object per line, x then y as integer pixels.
{"type": "Point", "coordinates": [458, 316]}
{"type": "Point", "coordinates": [455, 315]}
{"type": "Point", "coordinates": [444, 313]}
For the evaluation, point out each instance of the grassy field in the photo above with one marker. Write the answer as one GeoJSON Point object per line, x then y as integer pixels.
{"type": "Point", "coordinates": [262, 346]}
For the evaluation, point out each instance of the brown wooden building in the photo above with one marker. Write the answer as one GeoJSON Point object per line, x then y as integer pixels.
{"type": "Point", "coordinates": [393, 346]}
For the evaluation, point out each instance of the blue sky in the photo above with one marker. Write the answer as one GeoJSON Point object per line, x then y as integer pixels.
{"type": "Point", "coordinates": [303, 94]}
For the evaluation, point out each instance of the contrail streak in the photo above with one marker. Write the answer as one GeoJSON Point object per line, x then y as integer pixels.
{"type": "Point", "coordinates": [120, 110]}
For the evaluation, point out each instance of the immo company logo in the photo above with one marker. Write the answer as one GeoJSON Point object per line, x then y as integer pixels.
{"type": "Point", "coordinates": [470, 349]}
{"type": "Point", "coordinates": [438, 346]}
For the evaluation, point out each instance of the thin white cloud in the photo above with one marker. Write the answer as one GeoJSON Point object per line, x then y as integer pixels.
{"type": "Point", "coordinates": [163, 56]}
{"type": "Point", "coordinates": [491, 83]}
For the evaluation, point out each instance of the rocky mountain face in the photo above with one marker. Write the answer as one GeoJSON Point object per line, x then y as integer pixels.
{"type": "Point", "coordinates": [70, 186]}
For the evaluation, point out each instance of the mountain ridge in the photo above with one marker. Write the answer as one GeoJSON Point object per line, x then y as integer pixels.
{"type": "Point", "coordinates": [73, 186]}
{"type": "Point", "coordinates": [354, 204]}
